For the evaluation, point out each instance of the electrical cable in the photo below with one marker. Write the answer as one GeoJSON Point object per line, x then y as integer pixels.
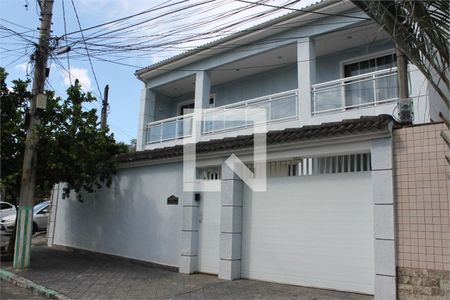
{"type": "Point", "coordinates": [87, 51]}
{"type": "Point", "coordinates": [65, 31]}
{"type": "Point", "coordinates": [304, 10]}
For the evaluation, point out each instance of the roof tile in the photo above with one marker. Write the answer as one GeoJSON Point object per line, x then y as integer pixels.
{"type": "Point", "coordinates": [276, 137]}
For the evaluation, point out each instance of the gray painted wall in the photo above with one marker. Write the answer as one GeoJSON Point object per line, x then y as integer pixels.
{"type": "Point", "coordinates": [270, 82]}
{"type": "Point", "coordinates": [165, 107]}
{"type": "Point", "coordinates": [129, 217]}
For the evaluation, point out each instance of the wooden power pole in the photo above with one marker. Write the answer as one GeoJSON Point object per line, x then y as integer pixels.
{"type": "Point", "coordinates": [105, 107]}
{"type": "Point", "coordinates": [24, 226]}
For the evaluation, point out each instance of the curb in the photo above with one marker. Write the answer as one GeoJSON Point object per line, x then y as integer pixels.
{"type": "Point", "coordinates": [28, 284]}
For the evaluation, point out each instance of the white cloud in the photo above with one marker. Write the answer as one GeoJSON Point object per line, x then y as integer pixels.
{"type": "Point", "coordinates": [23, 66]}
{"type": "Point", "coordinates": [80, 74]}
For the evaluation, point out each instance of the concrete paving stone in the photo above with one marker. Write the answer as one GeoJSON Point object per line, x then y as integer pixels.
{"type": "Point", "coordinates": [83, 275]}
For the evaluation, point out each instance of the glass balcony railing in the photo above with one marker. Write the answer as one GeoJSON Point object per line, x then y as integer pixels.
{"type": "Point", "coordinates": [169, 129]}
{"type": "Point", "coordinates": [356, 91]}
{"type": "Point", "coordinates": [267, 109]}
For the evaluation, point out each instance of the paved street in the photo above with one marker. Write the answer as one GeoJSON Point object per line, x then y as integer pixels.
{"type": "Point", "coordinates": [81, 275]}
{"type": "Point", "coordinates": [10, 291]}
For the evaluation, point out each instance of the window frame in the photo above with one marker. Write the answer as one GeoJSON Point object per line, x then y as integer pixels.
{"type": "Point", "coordinates": [190, 101]}
{"type": "Point", "coordinates": [10, 206]}
{"type": "Point", "coordinates": [364, 57]}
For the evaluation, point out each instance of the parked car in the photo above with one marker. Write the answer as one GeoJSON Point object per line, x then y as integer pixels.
{"type": "Point", "coordinates": [40, 219]}
{"type": "Point", "coordinates": [6, 209]}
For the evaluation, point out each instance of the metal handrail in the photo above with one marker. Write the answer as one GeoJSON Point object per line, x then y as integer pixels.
{"type": "Point", "coordinates": [253, 100]}
{"type": "Point", "coordinates": [169, 119]}
{"type": "Point", "coordinates": [355, 78]}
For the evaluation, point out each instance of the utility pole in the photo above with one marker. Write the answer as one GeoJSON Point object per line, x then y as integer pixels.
{"type": "Point", "coordinates": [105, 107]}
{"type": "Point", "coordinates": [24, 217]}
{"type": "Point", "coordinates": [405, 104]}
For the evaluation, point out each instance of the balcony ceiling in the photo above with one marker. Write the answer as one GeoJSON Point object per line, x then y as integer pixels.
{"type": "Point", "coordinates": [263, 62]}
{"type": "Point", "coordinates": [338, 41]}
{"type": "Point", "coordinates": [180, 87]}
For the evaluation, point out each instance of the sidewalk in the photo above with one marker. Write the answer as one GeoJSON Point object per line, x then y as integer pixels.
{"type": "Point", "coordinates": [81, 275]}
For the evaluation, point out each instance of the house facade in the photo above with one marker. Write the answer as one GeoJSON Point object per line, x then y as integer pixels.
{"type": "Point", "coordinates": [322, 85]}
{"type": "Point", "coordinates": [304, 68]}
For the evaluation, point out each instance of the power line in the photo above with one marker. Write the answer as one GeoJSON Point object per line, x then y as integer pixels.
{"type": "Point", "coordinates": [253, 46]}
{"type": "Point", "coordinates": [108, 43]}
{"type": "Point", "coordinates": [87, 51]}
{"type": "Point", "coordinates": [65, 32]}
{"type": "Point", "coordinates": [303, 10]}
{"type": "Point", "coordinates": [18, 25]}
{"type": "Point", "coordinates": [124, 18]}
{"type": "Point", "coordinates": [61, 66]}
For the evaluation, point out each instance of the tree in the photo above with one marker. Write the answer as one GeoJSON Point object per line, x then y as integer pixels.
{"type": "Point", "coordinates": [80, 150]}
{"type": "Point", "coordinates": [72, 148]}
{"type": "Point", "coordinates": [13, 110]}
{"type": "Point", "coordinates": [420, 29]}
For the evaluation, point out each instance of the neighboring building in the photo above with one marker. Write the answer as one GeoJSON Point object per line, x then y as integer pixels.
{"type": "Point", "coordinates": [327, 217]}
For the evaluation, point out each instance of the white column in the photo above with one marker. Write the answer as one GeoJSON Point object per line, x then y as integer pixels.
{"type": "Point", "coordinates": [202, 92]}
{"type": "Point", "coordinates": [146, 114]}
{"type": "Point", "coordinates": [306, 72]}
{"type": "Point", "coordinates": [189, 234]}
{"type": "Point", "coordinates": [384, 221]}
{"type": "Point", "coordinates": [230, 225]}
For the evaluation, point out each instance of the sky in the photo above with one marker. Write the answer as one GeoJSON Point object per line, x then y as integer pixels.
{"type": "Point", "coordinates": [166, 36]}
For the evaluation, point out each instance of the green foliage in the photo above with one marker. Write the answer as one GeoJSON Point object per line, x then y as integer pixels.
{"type": "Point", "coordinates": [72, 148]}
{"type": "Point", "coordinates": [13, 108]}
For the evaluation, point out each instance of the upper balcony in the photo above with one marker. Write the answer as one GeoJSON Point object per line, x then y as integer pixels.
{"type": "Point", "coordinates": [331, 97]}
{"type": "Point", "coordinates": [326, 78]}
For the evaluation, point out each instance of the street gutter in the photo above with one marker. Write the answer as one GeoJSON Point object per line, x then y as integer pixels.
{"type": "Point", "coordinates": [28, 284]}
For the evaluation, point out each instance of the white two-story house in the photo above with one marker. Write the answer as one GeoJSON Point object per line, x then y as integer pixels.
{"type": "Point", "coordinates": [325, 79]}
{"type": "Point", "coordinates": [305, 68]}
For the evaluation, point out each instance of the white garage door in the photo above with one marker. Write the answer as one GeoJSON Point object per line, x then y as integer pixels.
{"type": "Point", "coordinates": [209, 233]}
{"type": "Point", "coordinates": [312, 231]}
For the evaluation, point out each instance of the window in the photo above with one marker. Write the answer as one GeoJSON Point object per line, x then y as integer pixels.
{"type": "Point", "coordinates": [370, 65]}
{"type": "Point", "coordinates": [185, 106]}
{"type": "Point", "coordinates": [308, 166]}
{"type": "Point", "coordinates": [5, 206]}
{"type": "Point", "coordinates": [209, 173]}
{"type": "Point", "coordinates": [363, 91]}
{"type": "Point", "coordinates": [183, 109]}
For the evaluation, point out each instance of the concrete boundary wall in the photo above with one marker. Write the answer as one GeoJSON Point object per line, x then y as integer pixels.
{"type": "Point", "coordinates": [130, 219]}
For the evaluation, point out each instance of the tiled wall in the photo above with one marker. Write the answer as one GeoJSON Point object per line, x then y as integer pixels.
{"type": "Point", "coordinates": [422, 212]}
{"type": "Point", "coordinates": [422, 197]}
